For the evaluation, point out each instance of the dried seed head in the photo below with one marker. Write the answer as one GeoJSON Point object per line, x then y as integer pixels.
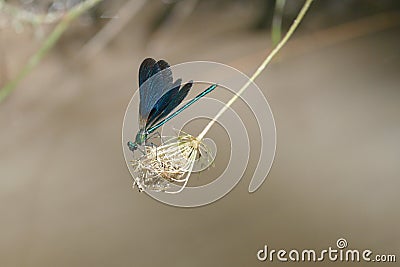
{"type": "Point", "coordinates": [170, 163]}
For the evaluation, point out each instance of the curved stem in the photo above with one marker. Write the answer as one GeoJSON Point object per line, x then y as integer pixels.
{"type": "Point", "coordinates": [267, 60]}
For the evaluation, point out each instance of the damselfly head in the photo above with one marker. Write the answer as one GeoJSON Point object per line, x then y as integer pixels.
{"type": "Point", "coordinates": [132, 146]}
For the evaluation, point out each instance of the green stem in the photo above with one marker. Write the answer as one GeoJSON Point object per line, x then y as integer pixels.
{"type": "Point", "coordinates": [48, 43]}
{"type": "Point", "coordinates": [276, 32]}
{"type": "Point", "coordinates": [266, 61]}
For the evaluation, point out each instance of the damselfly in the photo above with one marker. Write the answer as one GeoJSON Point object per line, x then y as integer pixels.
{"type": "Point", "coordinates": [159, 96]}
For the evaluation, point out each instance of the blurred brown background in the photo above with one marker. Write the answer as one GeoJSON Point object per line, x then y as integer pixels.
{"type": "Point", "coordinates": [65, 191]}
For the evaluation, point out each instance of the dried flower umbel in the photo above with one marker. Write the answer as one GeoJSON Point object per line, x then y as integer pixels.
{"type": "Point", "coordinates": [170, 163]}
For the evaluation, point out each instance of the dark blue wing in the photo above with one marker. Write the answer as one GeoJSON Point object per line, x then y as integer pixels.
{"type": "Point", "coordinates": [152, 89]}
{"type": "Point", "coordinates": [145, 70]}
{"type": "Point", "coordinates": [163, 102]}
{"type": "Point", "coordinates": [173, 103]}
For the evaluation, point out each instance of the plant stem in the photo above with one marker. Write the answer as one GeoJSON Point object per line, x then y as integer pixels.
{"type": "Point", "coordinates": [267, 60]}
{"type": "Point", "coordinates": [48, 43]}
{"type": "Point", "coordinates": [276, 32]}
